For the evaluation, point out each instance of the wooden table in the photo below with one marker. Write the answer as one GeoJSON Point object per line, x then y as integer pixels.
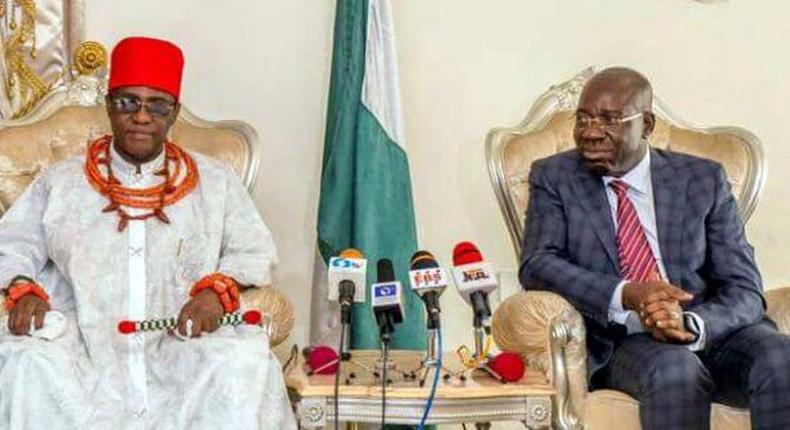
{"type": "Point", "coordinates": [479, 399]}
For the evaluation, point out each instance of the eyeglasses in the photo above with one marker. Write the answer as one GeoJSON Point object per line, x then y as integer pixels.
{"type": "Point", "coordinates": [128, 104]}
{"type": "Point", "coordinates": [584, 120]}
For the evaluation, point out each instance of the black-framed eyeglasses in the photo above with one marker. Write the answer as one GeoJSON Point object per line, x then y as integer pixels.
{"type": "Point", "coordinates": [128, 104]}
{"type": "Point", "coordinates": [584, 120]}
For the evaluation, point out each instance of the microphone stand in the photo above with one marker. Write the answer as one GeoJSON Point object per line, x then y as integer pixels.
{"type": "Point", "coordinates": [430, 363]}
{"type": "Point", "coordinates": [346, 296]}
{"type": "Point", "coordinates": [481, 332]}
{"type": "Point", "coordinates": [384, 364]}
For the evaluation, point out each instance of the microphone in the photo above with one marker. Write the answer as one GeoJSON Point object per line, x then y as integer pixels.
{"type": "Point", "coordinates": [474, 279]}
{"type": "Point", "coordinates": [428, 280]}
{"type": "Point", "coordinates": [386, 299]}
{"type": "Point", "coordinates": [346, 279]}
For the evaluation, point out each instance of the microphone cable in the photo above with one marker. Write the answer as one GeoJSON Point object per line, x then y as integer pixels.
{"type": "Point", "coordinates": [337, 380]}
{"type": "Point", "coordinates": [438, 369]}
{"type": "Point", "coordinates": [385, 361]}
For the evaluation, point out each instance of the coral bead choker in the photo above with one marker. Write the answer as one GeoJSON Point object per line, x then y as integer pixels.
{"type": "Point", "coordinates": [176, 185]}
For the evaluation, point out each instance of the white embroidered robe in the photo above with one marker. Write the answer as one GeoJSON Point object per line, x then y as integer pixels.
{"type": "Point", "coordinates": [92, 377]}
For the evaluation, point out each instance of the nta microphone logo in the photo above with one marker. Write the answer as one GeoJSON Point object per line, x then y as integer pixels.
{"type": "Point", "coordinates": [475, 275]}
{"type": "Point", "coordinates": [385, 290]}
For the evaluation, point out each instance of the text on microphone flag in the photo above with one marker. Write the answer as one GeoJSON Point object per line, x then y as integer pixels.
{"type": "Point", "coordinates": [346, 263]}
{"type": "Point", "coordinates": [434, 277]}
{"type": "Point", "coordinates": [475, 275]}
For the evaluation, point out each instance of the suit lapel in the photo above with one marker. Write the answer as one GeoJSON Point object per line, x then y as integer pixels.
{"type": "Point", "coordinates": [669, 191]}
{"type": "Point", "coordinates": [592, 196]}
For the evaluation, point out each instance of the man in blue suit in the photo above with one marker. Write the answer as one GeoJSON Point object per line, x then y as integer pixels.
{"type": "Point", "coordinates": [648, 246]}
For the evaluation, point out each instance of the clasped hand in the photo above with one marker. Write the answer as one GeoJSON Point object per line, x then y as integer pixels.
{"type": "Point", "coordinates": [658, 306]}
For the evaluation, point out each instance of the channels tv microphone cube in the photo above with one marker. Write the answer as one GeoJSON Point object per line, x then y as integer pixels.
{"type": "Point", "coordinates": [351, 269]}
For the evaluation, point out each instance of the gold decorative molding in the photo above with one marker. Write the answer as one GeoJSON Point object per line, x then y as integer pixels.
{"type": "Point", "coordinates": [37, 40]}
{"type": "Point", "coordinates": [19, 44]}
{"type": "Point", "coordinates": [90, 57]}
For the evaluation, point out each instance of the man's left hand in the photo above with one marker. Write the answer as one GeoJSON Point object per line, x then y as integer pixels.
{"type": "Point", "coordinates": [205, 310]}
{"type": "Point", "coordinates": [664, 320]}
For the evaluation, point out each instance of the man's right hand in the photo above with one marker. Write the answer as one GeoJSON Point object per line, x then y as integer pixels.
{"type": "Point", "coordinates": [654, 301]}
{"type": "Point", "coordinates": [26, 309]}
{"type": "Point", "coordinates": [637, 295]}
{"type": "Point", "coordinates": [671, 328]}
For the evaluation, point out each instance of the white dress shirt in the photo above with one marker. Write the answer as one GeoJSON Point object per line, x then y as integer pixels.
{"type": "Point", "coordinates": [640, 191]}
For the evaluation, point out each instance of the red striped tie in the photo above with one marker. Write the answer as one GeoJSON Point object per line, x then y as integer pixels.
{"type": "Point", "coordinates": [637, 262]}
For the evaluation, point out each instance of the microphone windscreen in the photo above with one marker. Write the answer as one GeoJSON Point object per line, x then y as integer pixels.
{"type": "Point", "coordinates": [351, 253]}
{"type": "Point", "coordinates": [466, 253]}
{"type": "Point", "coordinates": [423, 260]}
{"type": "Point", "coordinates": [508, 365]}
{"type": "Point", "coordinates": [319, 356]}
{"type": "Point", "coordinates": [384, 270]}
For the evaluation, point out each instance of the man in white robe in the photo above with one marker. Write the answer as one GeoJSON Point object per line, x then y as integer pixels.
{"type": "Point", "coordinates": [101, 261]}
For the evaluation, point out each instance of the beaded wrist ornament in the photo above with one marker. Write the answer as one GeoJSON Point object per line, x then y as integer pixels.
{"type": "Point", "coordinates": [226, 288]}
{"type": "Point", "coordinates": [21, 289]}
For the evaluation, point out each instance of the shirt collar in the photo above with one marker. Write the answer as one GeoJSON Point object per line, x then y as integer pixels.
{"type": "Point", "coordinates": [638, 178]}
{"type": "Point", "coordinates": [125, 168]}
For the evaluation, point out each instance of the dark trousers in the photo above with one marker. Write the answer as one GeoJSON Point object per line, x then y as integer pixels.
{"type": "Point", "coordinates": [675, 387]}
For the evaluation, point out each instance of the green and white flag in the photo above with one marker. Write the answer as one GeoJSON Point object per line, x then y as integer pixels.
{"type": "Point", "coordinates": [366, 200]}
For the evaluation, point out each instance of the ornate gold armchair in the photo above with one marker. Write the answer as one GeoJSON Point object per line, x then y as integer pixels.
{"type": "Point", "coordinates": [544, 328]}
{"type": "Point", "coordinates": [71, 116]}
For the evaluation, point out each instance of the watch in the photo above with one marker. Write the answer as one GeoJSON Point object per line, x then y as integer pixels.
{"type": "Point", "coordinates": [691, 325]}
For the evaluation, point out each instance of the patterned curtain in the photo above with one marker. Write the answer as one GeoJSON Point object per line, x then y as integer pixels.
{"type": "Point", "coordinates": [37, 38]}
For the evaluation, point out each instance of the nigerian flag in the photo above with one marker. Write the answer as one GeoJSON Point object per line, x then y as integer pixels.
{"type": "Point", "coordinates": [366, 200]}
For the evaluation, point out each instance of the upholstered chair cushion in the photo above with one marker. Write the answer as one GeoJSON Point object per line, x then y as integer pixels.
{"type": "Point", "coordinates": [609, 409]}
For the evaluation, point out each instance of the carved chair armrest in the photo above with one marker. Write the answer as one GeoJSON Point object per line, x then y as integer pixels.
{"type": "Point", "coordinates": [548, 333]}
{"type": "Point", "coordinates": [274, 304]}
{"type": "Point", "coordinates": [779, 307]}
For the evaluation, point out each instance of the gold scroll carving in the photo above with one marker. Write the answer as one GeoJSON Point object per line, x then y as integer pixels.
{"type": "Point", "coordinates": [19, 45]}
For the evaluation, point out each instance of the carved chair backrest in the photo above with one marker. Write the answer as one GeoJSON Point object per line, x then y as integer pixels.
{"type": "Point", "coordinates": [547, 129]}
{"type": "Point", "coordinates": [65, 122]}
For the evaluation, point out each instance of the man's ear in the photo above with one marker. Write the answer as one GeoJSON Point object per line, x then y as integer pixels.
{"type": "Point", "coordinates": [108, 104]}
{"type": "Point", "coordinates": [174, 114]}
{"type": "Point", "coordinates": [650, 124]}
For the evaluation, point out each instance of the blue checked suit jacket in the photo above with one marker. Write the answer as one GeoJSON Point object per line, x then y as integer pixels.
{"type": "Point", "coordinates": [569, 244]}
